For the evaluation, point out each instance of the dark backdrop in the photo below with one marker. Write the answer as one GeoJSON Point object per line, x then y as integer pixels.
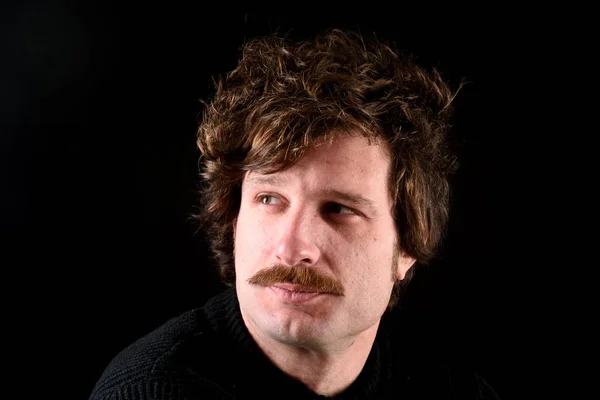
{"type": "Point", "coordinates": [100, 104]}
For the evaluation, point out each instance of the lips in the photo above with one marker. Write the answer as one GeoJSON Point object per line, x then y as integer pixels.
{"type": "Point", "coordinates": [294, 294]}
{"type": "Point", "coordinates": [295, 288]}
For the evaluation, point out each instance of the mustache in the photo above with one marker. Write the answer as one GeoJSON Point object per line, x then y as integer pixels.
{"type": "Point", "coordinates": [303, 276]}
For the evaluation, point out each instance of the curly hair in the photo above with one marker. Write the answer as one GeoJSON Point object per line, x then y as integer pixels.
{"type": "Point", "coordinates": [283, 96]}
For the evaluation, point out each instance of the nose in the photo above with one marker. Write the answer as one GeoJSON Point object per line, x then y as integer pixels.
{"type": "Point", "coordinates": [297, 242]}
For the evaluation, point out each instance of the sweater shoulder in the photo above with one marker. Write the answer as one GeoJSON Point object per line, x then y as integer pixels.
{"type": "Point", "coordinates": [445, 380]}
{"type": "Point", "coordinates": [168, 360]}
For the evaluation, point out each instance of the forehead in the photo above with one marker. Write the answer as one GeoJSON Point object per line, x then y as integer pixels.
{"type": "Point", "coordinates": [347, 165]}
{"type": "Point", "coordinates": [343, 155]}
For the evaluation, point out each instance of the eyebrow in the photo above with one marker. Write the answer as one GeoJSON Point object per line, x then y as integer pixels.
{"type": "Point", "coordinates": [273, 180]}
{"type": "Point", "coordinates": [352, 198]}
{"type": "Point", "coordinates": [277, 180]}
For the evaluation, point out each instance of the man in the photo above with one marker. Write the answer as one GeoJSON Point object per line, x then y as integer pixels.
{"type": "Point", "coordinates": [326, 167]}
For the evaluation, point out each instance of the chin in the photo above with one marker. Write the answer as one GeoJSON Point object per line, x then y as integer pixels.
{"type": "Point", "coordinates": [297, 333]}
{"type": "Point", "coordinates": [295, 326]}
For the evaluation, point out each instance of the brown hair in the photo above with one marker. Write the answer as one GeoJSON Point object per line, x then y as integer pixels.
{"type": "Point", "coordinates": [284, 95]}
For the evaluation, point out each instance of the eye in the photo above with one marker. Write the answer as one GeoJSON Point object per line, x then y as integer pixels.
{"type": "Point", "coordinates": [265, 199]}
{"type": "Point", "coordinates": [339, 209]}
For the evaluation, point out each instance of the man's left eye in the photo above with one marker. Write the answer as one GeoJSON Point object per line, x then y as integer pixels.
{"type": "Point", "coordinates": [340, 209]}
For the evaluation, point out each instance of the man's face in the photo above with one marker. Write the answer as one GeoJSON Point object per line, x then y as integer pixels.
{"type": "Point", "coordinates": [343, 250]}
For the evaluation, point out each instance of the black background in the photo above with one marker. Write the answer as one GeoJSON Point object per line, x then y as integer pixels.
{"type": "Point", "coordinates": [100, 103]}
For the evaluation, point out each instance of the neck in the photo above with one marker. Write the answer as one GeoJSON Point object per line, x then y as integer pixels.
{"type": "Point", "coordinates": [326, 370]}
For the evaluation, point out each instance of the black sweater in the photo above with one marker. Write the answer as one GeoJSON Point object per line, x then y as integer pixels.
{"type": "Point", "coordinates": [208, 353]}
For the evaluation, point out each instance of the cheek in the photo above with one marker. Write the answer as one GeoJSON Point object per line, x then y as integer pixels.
{"type": "Point", "coordinates": [251, 244]}
{"type": "Point", "coordinates": [369, 267]}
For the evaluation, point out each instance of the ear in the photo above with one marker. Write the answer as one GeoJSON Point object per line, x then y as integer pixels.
{"type": "Point", "coordinates": [405, 262]}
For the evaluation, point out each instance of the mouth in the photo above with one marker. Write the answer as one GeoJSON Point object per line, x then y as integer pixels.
{"type": "Point", "coordinates": [295, 288]}
{"type": "Point", "coordinates": [289, 293]}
